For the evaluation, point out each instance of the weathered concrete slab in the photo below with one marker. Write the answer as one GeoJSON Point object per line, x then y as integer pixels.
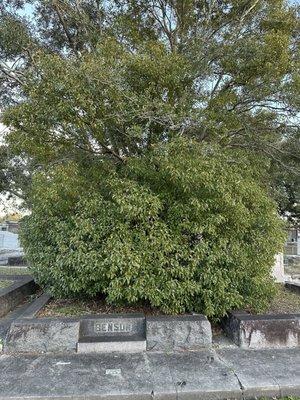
{"type": "Point", "coordinates": [248, 366]}
{"type": "Point", "coordinates": [163, 383]}
{"type": "Point", "coordinates": [270, 373]}
{"type": "Point", "coordinates": [201, 375]}
{"type": "Point", "coordinates": [80, 377]}
{"type": "Point", "coordinates": [15, 294]}
{"type": "Point", "coordinates": [263, 331]}
{"type": "Point", "coordinates": [42, 336]}
{"type": "Point", "coordinates": [226, 374]}
{"type": "Point", "coordinates": [185, 332]}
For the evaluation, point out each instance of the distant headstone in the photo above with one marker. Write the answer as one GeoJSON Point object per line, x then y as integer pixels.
{"type": "Point", "coordinates": [9, 241]}
{"type": "Point", "coordinates": [278, 269]}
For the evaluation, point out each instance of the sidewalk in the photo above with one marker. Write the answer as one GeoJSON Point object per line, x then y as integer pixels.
{"type": "Point", "coordinates": [209, 374]}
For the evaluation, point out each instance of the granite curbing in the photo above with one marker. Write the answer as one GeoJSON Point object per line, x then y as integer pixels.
{"type": "Point", "coordinates": [42, 336]}
{"type": "Point", "coordinates": [33, 309]}
{"type": "Point", "coordinates": [265, 331]}
{"type": "Point", "coordinates": [182, 332]}
{"type": "Point", "coordinates": [161, 333]}
{"type": "Point", "coordinates": [46, 335]}
{"type": "Point", "coordinates": [15, 294]}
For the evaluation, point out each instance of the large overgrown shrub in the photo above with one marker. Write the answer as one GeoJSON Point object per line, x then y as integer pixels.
{"type": "Point", "coordinates": [186, 227]}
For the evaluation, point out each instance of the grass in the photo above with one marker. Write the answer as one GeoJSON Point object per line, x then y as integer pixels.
{"type": "Point", "coordinates": [4, 284]}
{"type": "Point", "coordinates": [13, 271]}
{"type": "Point", "coordinates": [285, 302]}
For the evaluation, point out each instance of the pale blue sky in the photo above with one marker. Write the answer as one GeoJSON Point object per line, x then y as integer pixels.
{"type": "Point", "coordinates": [28, 9]}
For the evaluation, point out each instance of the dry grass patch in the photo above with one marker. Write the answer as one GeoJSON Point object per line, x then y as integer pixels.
{"type": "Point", "coordinates": [14, 271]}
{"type": "Point", "coordinates": [285, 302]}
{"type": "Point", "coordinates": [74, 308]}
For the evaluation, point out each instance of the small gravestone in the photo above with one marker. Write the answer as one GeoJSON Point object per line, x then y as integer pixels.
{"type": "Point", "coordinates": [119, 333]}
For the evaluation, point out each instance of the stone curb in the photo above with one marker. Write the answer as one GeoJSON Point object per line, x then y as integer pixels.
{"type": "Point", "coordinates": [293, 286]}
{"type": "Point", "coordinates": [15, 277]}
{"type": "Point", "coordinates": [183, 332]}
{"type": "Point", "coordinates": [263, 331]}
{"type": "Point", "coordinates": [48, 335]}
{"type": "Point", "coordinates": [13, 295]}
{"type": "Point", "coordinates": [32, 310]}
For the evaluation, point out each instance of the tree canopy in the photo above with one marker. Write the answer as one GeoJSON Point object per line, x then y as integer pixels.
{"type": "Point", "coordinates": [82, 80]}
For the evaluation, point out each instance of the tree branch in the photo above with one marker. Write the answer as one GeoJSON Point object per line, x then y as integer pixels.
{"type": "Point", "coordinates": [62, 21]}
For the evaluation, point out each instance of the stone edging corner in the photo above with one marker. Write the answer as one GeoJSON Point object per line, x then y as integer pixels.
{"type": "Point", "coordinates": [268, 331]}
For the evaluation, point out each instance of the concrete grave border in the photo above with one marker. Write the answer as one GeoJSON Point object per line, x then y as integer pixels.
{"type": "Point", "coordinates": [175, 333]}
{"type": "Point", "coordinates": [293, 287]}
{"type": "Point", "coordinates": [269, 331]}
{"type": "Point", "coordinates": [15, 294]}
{"type": "Point", "coordinates": [62, 335]}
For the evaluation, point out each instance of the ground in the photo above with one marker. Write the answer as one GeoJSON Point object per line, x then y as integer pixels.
{"type": "Point", "coordinates": [4, 284]}
{"type": "Point", "coordinates": [285, 302]}
{"type": "Point", "coordinates": [207, 374]}
{"type": "Point", "coordinates": [77, 307]}
{"type": "Point", "coordinates": [13, 271]}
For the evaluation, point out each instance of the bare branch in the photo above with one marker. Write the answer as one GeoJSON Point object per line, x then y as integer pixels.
{"type": "Point", "coordinates": [64, 26]}
{"type": "Point", "coordinates": [10, 74]}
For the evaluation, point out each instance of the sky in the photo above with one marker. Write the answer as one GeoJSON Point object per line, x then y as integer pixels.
{"type": "Point", "coordinates": [7, 205]}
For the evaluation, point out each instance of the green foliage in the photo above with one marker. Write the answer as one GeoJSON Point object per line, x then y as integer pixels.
{"type": "Point", "coordinates": [109, 79]}
{"type": "Point", "coordinates": [96, 95]}
{"type": "Point", "coordinates": [104, 102]}
{"type": "Point", "coordinates": [186, 227]}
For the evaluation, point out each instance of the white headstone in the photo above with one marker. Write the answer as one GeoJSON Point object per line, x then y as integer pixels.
{"type": "Point", "coordinates": [278, 269]}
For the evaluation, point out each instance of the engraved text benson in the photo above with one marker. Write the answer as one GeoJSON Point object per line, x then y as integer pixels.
{"type": "Point", "coordinates": [112, 327]}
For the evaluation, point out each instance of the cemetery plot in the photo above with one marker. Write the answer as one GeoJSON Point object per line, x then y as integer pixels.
{"type": "Point", "coordinates": [285, 302]}
{"type": "Point", "coordinates": [95, 306]}
{"type": "Point", "coordinates": [88, 326]}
